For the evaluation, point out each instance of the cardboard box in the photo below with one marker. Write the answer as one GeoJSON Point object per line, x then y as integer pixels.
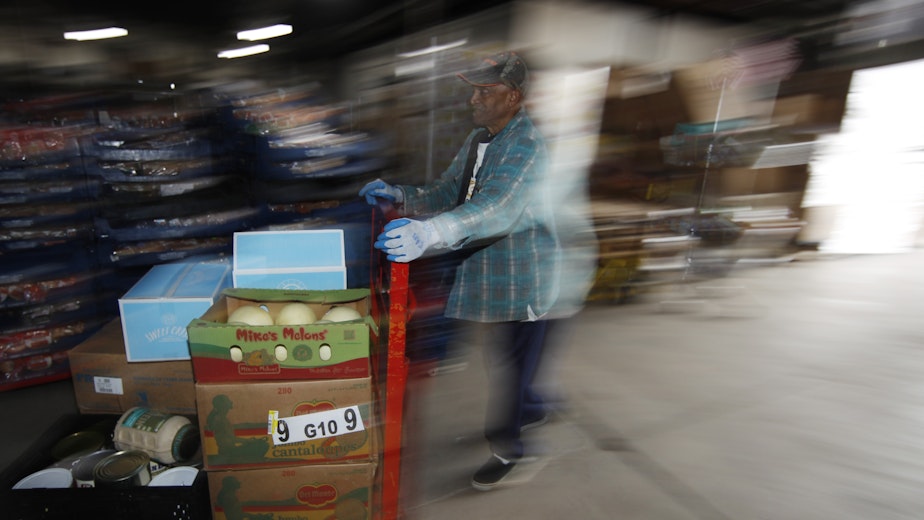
{"type": "Point", "coordinates": [643, 103]}
{"type": "Point", "coordinates": [813, 100]}
{"type": "Point", "coordinates": [290, 260]}
{"type": "Point", "coordinates": [343, 491]}
{"type": "Point", "coordinates": [157, 309]}
{"type": "Point", "coordinates": [809, 110]}
{"type": "Point", "coordinates": [748, 181]}
{"type": "Point", "coordinates": [233, 421]}
{"type": "Point", "coordinates": [104, 381]}
{"type": "Point", "coordinates": [282, 352]}
{"type": "Point", "coordinates": [711, 92]}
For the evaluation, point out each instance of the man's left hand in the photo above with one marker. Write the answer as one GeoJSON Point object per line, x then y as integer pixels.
{"type": "Point", "coordinates": [404, 239]}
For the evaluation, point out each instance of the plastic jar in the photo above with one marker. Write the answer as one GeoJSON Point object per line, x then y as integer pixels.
{"type": "Point", "coordinates": [166, 438]}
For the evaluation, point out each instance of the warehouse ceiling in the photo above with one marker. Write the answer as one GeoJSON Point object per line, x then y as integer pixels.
{"type": "Point", "coordinates": [324, 27]}
{"type": "Point", "coordinates": [328, 29]}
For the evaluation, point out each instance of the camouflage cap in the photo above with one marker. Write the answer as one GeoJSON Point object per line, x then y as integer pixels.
{"type": "Point", "coordinates": [505, 68]}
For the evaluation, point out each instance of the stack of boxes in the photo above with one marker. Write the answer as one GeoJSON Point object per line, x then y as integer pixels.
{"type": "Point", "coordinates": [286, 411]}
{"type": "Point", "coordinates": [142, 359]}
{"type": "Point", "coordinates": [139, 360]}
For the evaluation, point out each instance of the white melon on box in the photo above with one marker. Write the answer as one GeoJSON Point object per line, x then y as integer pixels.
{"type": "Point", "coordinates": [250, 315]}
{"type": "Point", "coordinates": [341, 313]}
{"type": "Point", "coordinates": [295, 313]}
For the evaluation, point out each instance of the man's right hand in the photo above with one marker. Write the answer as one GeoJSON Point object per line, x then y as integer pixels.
{"type": "Point", "coordinates": [404, 239]}
{"type": "Point", "coordinates": [382, 190]}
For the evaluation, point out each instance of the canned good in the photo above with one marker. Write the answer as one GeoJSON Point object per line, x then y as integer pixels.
{"type": "Point", "coordinates": [166, 437]}
{"type": "Point", "coordinates": [79, 443]}
{"type": "Point", "coordinates": [83, 468]}
{"type": "Point", "coordinates": [123, 469]}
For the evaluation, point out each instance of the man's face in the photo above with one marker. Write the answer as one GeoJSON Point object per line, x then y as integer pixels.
{"type": "Point", "coordinates": [493, 106]}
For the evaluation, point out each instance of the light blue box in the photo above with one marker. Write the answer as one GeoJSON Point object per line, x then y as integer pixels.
{"type": "Point", "coordinates": [157, 309]}
{"type": "Point", "coordinates": [311, 259]}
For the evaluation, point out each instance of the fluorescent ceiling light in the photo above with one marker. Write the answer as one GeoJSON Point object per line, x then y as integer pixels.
{"type": "Point", "coordinates": [244, 51]}
{"type": "Point", "coordinates": [433, 48]}
{"type": "Point", "coordinates": [96, 34]}
{"type": "Point", "coordinates": [415, 67]}
{"type": "Point", "coordinates": [265, 33]}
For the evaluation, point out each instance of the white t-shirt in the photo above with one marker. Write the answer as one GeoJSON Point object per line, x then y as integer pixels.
{"type": "Point", "coordinates": [478, 158]}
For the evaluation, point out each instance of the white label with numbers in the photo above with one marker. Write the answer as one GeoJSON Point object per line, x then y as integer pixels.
{"type": "Point", "coordinates": [318, 425]}
{"type": "Point", "coordinates": [108, 385]}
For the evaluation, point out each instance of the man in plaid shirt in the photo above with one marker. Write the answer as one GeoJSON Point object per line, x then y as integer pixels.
{"type": "Point", "coordinates": [489, 207]}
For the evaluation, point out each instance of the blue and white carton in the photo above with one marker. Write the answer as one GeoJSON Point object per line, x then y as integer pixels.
{"type": "Point", "coordinates": [311, 259]}
{"type": "Point", "coordinates": [157, 309]}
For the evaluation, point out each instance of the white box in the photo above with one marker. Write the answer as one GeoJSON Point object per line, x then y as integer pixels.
{"type": "Point", "coordinates": [157, 309]}
{"type": "Point", "coordinates": [290, 260]}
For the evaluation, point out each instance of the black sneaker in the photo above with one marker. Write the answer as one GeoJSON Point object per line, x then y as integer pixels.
{"type": "Point", "coordinates": [535, 423]}
{"type": "Point", "coordinates": [492, 473]}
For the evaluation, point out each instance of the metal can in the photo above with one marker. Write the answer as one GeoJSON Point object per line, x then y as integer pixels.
{"type": "Point", "coordinates": [83, 469]}
{"type": "Point", "coordinates": [123, 469]}
{"type": "Point", "coordinates": [79, 443]}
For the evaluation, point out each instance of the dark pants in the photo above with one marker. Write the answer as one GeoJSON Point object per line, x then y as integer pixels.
{"type": "Point", "coordinates": [512, 352]}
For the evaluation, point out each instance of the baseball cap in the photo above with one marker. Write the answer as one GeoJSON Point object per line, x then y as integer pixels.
{"type": "Point", "coordinates": [506, 68]}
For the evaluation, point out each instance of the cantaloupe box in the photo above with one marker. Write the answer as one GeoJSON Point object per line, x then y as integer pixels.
{"type": "Point", "coordinates": [237, 433]}
{"type": "Point", "coordinates": [342, 491]}
{"type": "Point", "coordinates": [157, 309]}
{"type": "Point", "coordinates": [224, 352]}
{"type": "Point", "coordinates": [292, 260]}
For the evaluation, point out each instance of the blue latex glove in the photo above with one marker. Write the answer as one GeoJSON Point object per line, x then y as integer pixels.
{"type": "Point", "coordinates": [404, 239]}
{"type": "Point", "coordinates": [383, 190]}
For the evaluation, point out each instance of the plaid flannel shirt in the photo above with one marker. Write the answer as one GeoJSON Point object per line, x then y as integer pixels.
{"type": "Point", "coordinates": [511, 277]}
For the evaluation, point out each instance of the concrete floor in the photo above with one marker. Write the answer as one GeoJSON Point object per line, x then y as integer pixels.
{"type": "Point", "coordinates": [784, 392]}
{"type": "Point", "coordinates": [791, 391]}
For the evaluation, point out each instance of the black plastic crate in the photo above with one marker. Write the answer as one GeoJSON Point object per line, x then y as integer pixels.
{"type": "Point", "coordinates": [137, 503]}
